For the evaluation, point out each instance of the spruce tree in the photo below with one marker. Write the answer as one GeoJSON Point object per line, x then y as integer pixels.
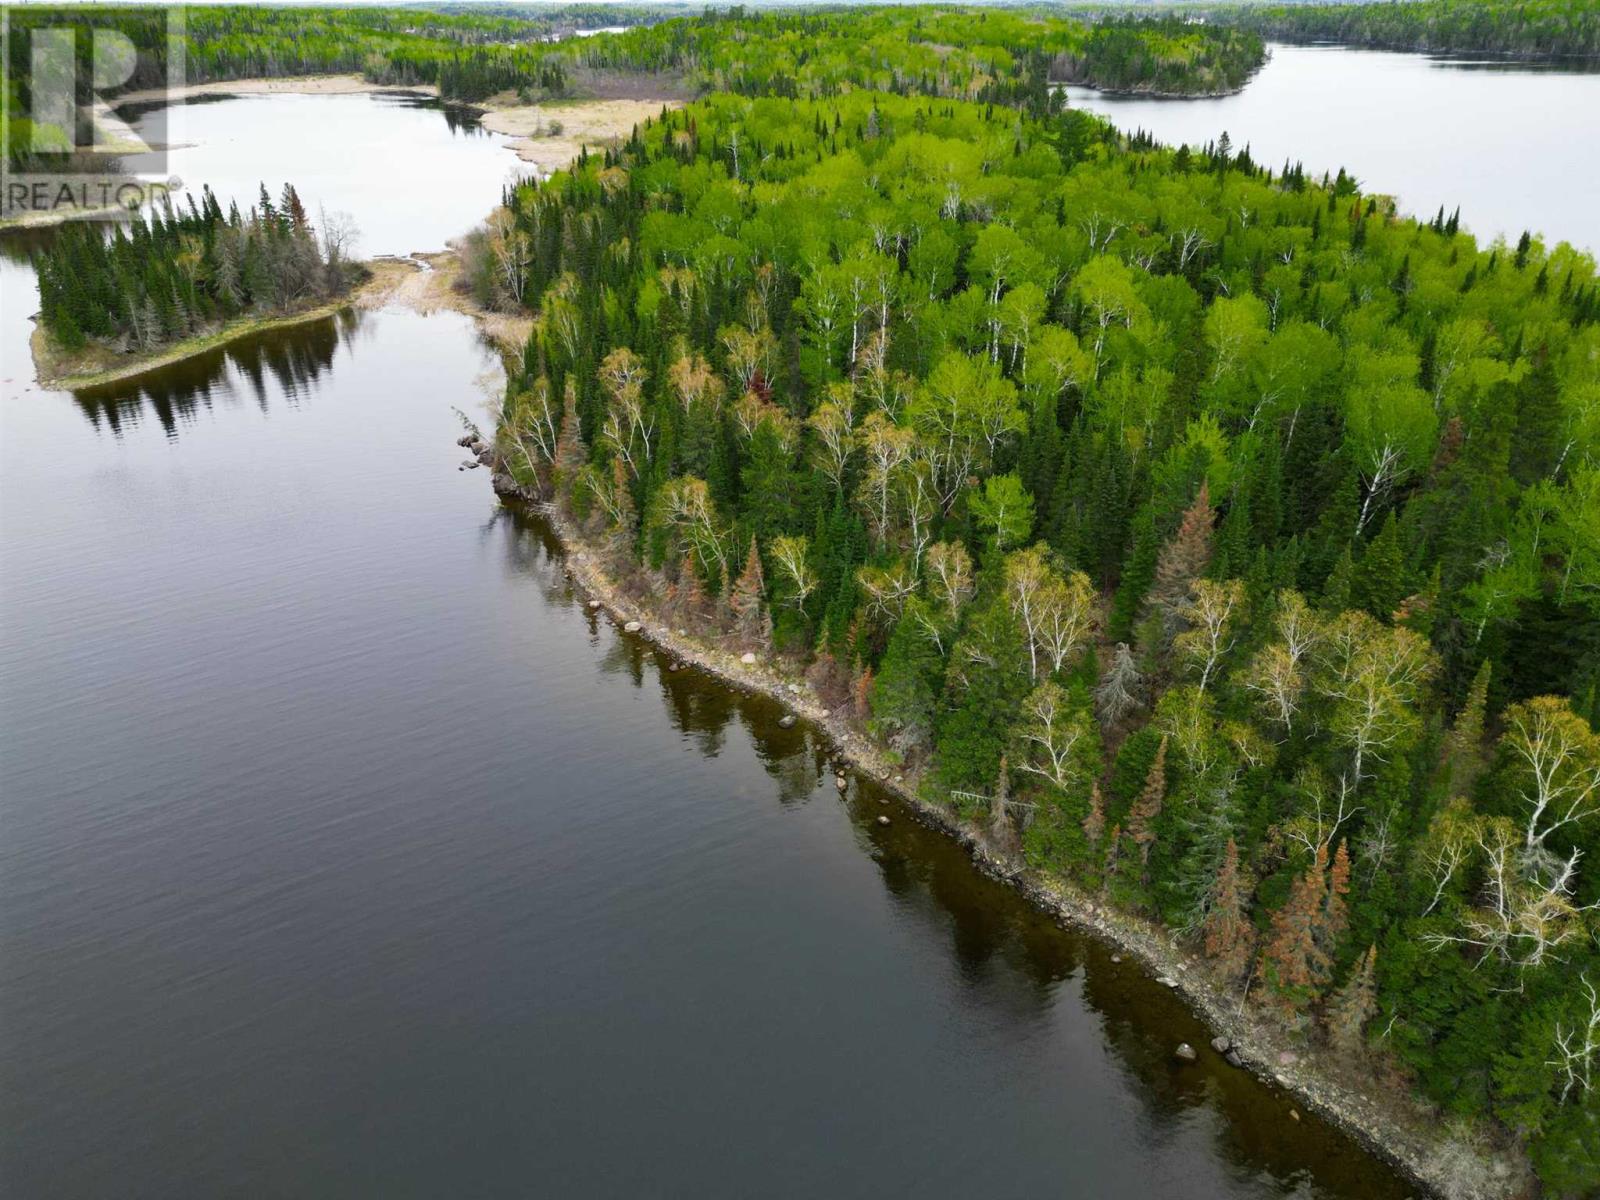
{"type": "Point", "coordinates": [1292, 963]}
{"type": "Point", "coordinates": [1380, 582]}
{"type": "Point", "coordinates": [1185, 558]}
{"type": "Point", "coordinates": [570, 457]}
{"type": "Point", "coordinates": [1227, 934]}
{"type": "Point", "coordinates": [1146, 809]}
{"type": "Point", "coordinates": [1094, 823]}
{"type": "Point", "coordinates": [1353, 1005]}
{"type": "Point", "coordinates": [752, 621]}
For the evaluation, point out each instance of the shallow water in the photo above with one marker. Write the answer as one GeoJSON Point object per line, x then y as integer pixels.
{"type": "Point", "coordinates": [346, 853]}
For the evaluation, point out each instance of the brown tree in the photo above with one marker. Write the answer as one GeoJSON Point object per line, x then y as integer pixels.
{"type": "Point", "coordinates": [862, 694]}
{"type": "Point", "coordinates": [1293, 965]}
{"type": "Point", "coordinates": [1184, 559]}
{"type": "Point", "coordinates": [1353, 1005]}
{"type": "Point", "coordinates": [752, 621]}
{"type": "Point", "coordinates": [1142, 816]}
{"type": "Point", "coordinates": [1229, 936]}
{"type": "Point", "coordinates": [1335, 912]}
{"type": "Point", "coordinates": [694, 605]}
{"type": "Point", "coordinates": [1094, 825]}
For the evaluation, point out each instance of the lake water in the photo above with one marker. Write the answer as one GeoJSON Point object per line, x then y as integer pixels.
{"type": "Point", "coordinates": [345, 853]}
{"type": "Point", "coordinates": [1514, 146]}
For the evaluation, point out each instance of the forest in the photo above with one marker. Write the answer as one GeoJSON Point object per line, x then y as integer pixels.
{"type": "Point", "coordinates": [1514, 28]}
{"type": "Point", "coordinates": [173, 273]}
{"type": "Point", "coordinates": [1214, 533]}
{"type": "Point", "coordinates": [1220, 538]}
{"type": "Point", "coordinates": [988, 54]}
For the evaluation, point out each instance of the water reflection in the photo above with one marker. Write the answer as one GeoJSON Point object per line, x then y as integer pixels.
{"type": "Point", "coordinates": [318, 795]}
{"type": "Point", "coordinates": [1015, 962]}
{"type": "Point", "coordinates": [293, 358]}
{"type": "Point", "coordinates": [1474, 114]}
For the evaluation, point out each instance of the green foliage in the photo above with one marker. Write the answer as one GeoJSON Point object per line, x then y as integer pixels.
{"type": "Point", "coordinates": [1532, 28]}
{"type": "Point", "coordinates": [178, 272]}
{"type": "Point", "coordinates": [1007, 389]}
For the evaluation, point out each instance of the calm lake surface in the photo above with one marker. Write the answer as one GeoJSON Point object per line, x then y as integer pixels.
{"type": "Point", "coordinates": [1514, 146]}
{"type": "Point", "coordinates": [345, 853]}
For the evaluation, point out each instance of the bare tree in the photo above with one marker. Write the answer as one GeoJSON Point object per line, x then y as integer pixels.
{"type": "Point", "coordinates": [1120, 691]}
{"type": "Point", "coordinates": [1577, 1046]}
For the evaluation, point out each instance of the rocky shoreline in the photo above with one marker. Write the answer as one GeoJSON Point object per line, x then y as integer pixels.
{"type": "Point", "coordinates": [1400, 1132]}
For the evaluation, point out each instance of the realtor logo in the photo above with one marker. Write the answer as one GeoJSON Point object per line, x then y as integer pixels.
{"type": "Point", "coordinates": [66, 147]}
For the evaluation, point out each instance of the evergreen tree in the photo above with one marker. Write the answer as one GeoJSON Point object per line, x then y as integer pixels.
{"type": "Point", "coordinates": [1354, 1005]}
{"type": "Point", "coordinates": [1380, 583]}
{"type": "Point", "coordinates": [752, 621]}
{"type": "Point", "coordinates": [1142, 817]}
{"type": "Point", "coordinates": [1227, 935]}
{"type": "Point", "coordinates": [1184, 558]}
{"type": "Point", "coordinates": [1292, 963]}
{"type": "Point", "coordinates": [570, 455]}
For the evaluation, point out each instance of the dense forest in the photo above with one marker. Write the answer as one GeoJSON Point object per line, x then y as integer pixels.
{"type": "Point", "coordinates": [174, 273]}
{"type": "Point", "coordinates": [1515, 28]}
{"type": "Point", "coordinates": [988, 54]}
{"type": "Point", "coordinates": [1222, 538]}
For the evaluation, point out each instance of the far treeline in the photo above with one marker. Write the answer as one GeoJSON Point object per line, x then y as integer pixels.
{"type": "Point", "coordinates": [973, 54]}
{"type": "Point", "coordinates": [1221, 539]}
{"type": "Point", "coordinates": [179, 272]}
{"type": "Point", "coordinates": [1517, 29]}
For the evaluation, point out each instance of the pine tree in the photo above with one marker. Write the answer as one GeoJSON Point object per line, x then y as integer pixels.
{"type": "Point", "coordinates": [1335, 911]}
{"type": "Point", "coordinates": [693, 602]}
{"type": "Point", "coordinates": [570, 456]}
{"type": "Point", "coordinates": [1381, 583]}
{"type": "Point", "coordinates": [1292, 964]}
{"type": "Point", "coordinates": [1353, 1005]}
{"type": "Point", "coordinates": [1119, 691]}
{"type": "Point", "coordinates": [752, 621]}
{"type": "Point", "coordinates": [1094, 824]}
{"type": "Point", "coordinates": [1147, 808]}
{"type": "Point", "coordinates": [1228, 935]}
{"type": "Point", "coordinates": [1185, 558]}
{"type": "Point", "coordinates": [1000, 808]}
{"type": "Point", "coordinates": [1113, 857]}
{"type": "Point", "coordinates": [1463, 748]}
{"type": "Point", "coordinates": [1336, 588]}
{"type": "Point", "coordinates": [1538, 438]}
{"type": "Point", "coordinates": [861, 694]}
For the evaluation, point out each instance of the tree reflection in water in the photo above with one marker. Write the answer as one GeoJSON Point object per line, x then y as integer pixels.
{"type": "Point", "coordinates": [1013, 958]}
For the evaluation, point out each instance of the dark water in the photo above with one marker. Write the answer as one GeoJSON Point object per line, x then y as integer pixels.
{"type": "Point", "coordinates": [1513, 144]}
{"type": "Point", "coordinates": [343, 853]}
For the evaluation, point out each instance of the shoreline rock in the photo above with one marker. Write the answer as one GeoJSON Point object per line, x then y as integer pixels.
{"type": "Point", "coordinates": [1410, 1146]}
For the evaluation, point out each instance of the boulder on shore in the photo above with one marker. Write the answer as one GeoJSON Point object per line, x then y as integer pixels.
{"type": "Point", "coordinates": [787, 721]}
{"type": "Point", "coordinates": [470, 464]}
{"type": "Point", "coordinates": [503, 484]}
{"type": "Point", "coordinates": [466, 439]}
{"type": "Point", "coordinates": [748, 659]}
{"type": "Point", "coordinates": [632, 627]}
{"type": "Point", "coordinates": [1221, 1044]}
{"type": "Point", "coordinates": [1232, 1058]}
